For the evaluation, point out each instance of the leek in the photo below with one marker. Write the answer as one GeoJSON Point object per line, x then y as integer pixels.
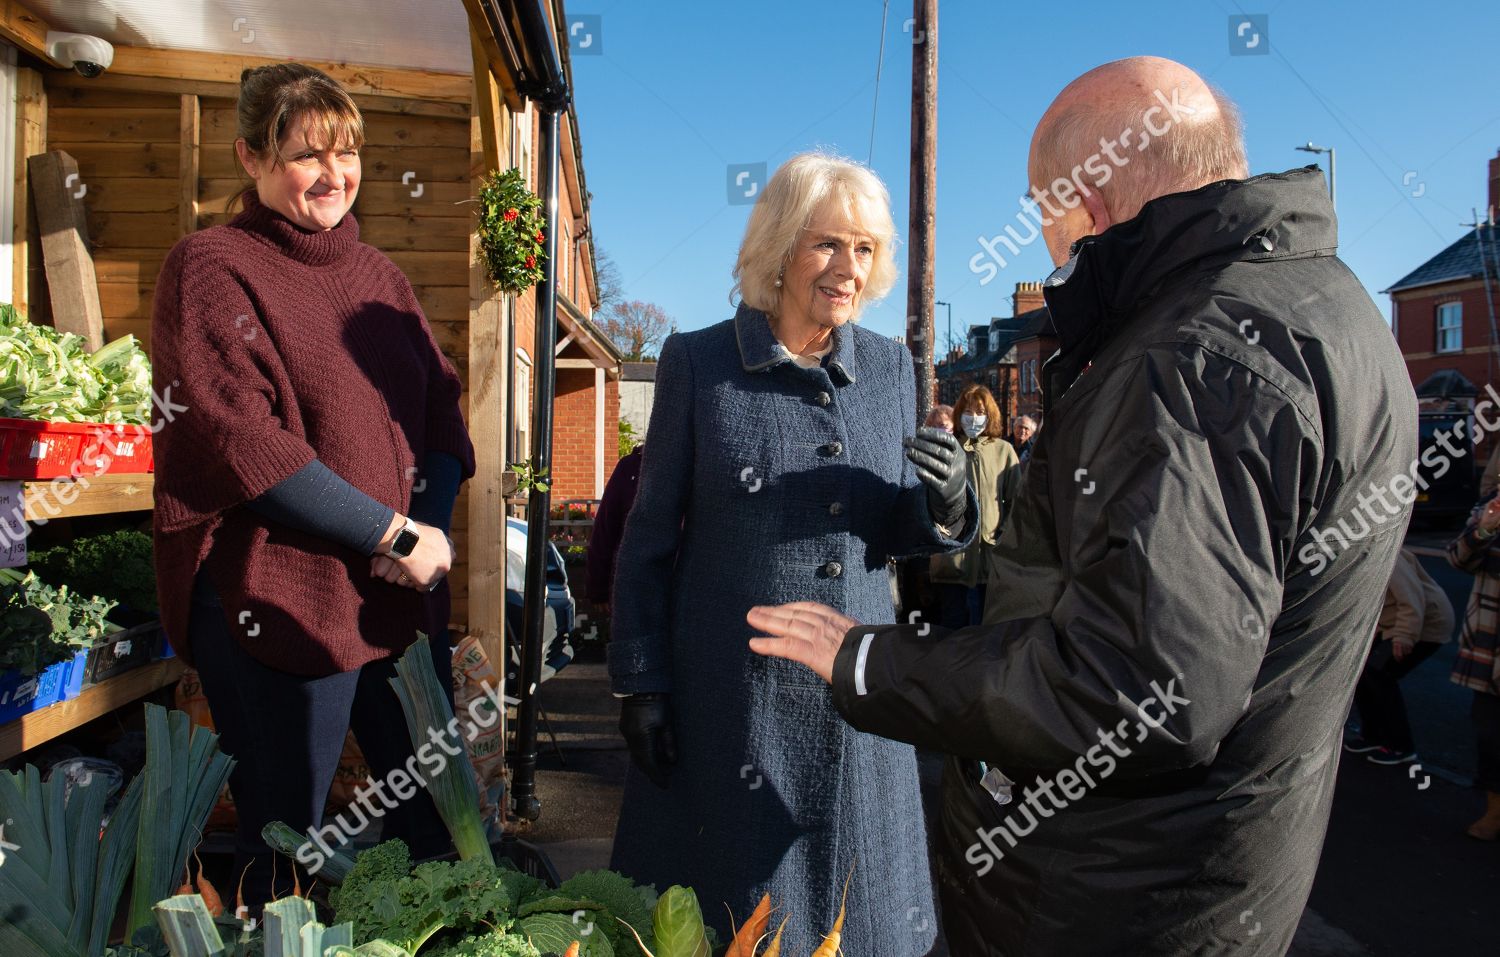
{"type": "Point", "coordinates": [453, 789]}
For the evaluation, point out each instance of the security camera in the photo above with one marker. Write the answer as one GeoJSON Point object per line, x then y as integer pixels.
{"type": "Point", "coordinates": [90, 55]}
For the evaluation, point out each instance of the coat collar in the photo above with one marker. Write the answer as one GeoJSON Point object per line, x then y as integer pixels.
{"type": "Point", "coordinates": [761, 351]}
{"type": "Point", "coordinates": [1268, 217]}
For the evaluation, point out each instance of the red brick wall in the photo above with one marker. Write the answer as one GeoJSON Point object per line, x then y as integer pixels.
{"type": "Point", "coordinates": [1032, 350]}
{"type": "Point", "coordinates": [573, 439]}
{"type": "Point", "coordinates": [1416, 330]}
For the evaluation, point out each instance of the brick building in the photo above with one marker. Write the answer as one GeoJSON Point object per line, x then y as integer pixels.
{"type": "Point", "coordinates": [1003, 355]}
{"type": "Point", "coordinates": [586, 410]}
{"type": "Point", "coordinates": [1443, 316]}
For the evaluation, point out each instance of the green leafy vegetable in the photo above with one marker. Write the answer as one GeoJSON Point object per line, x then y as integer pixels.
{"type": "Point", "coordinates": [49, 375]}
{"type": "Point", "coordinates": [678, 925]}
{"type": "Point", "coordinates": [453, 787]}
{"type": "Point", "coordinates": [117, 565]}
{"type": "Point", "coordinates": [552, 933]}
{"type": "Point", "coordinates": [493, 944]}
{"type": "Point", "coordinates": [41, 625]}
{"type": "Point", "coordinates": [619, 898]}
{"type": "Point", "coordinates": [384, 901]}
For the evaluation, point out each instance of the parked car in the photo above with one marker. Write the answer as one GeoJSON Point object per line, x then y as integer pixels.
{"type": "Point", "coordinates": [1450, 492]}
{"type": "Point", "coordinates": [557, 622]}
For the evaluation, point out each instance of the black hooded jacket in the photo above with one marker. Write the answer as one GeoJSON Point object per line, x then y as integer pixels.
{"type": "Point", "coordinates": [1180, 609]}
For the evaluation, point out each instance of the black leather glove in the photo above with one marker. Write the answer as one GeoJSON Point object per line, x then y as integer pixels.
{"type": "Point", "coordinates": [646, 723]}
{"type": "Point", "coordinates": [942, 465]}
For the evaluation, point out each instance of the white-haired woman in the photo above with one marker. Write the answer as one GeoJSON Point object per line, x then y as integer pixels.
{"type": "Point", "coordinates": [775, 473]}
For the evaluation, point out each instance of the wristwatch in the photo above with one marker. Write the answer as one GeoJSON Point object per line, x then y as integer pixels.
{"type": "Point", "coordinates": [405, 541]}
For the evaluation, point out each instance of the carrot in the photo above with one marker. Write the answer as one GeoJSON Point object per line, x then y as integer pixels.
{"type": "Point", "coordinates": [572, 950]}
{"type": "Point", "coordinates": [830, 945]}
{"type": "Point", "coordinates": [210, 895]}
{"type": "Point", "coordinates": [744, 942]}
{"type": "Point", "coordinates": [775, 949]}
{"type": "Point", "coordinates": [187, 881]}
{"type": "Point", "coordinates": [241, 912]}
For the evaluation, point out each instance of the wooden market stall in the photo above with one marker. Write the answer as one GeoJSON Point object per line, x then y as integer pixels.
{"type": "Point", "coordinates": [152, 142]}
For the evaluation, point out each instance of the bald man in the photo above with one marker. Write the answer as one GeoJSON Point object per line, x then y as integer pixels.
{"type": "Point", "coordinates": [1144, 749]}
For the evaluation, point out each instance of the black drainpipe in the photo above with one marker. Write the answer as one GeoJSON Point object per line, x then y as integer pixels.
{"type": "Point", "coordinates": [550, 94]}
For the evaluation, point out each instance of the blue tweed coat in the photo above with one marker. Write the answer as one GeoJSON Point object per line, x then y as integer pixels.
{"type": "Point", "coordinates": [765, 483]}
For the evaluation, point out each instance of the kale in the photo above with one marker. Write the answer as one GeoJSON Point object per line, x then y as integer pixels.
{"type": "Point", "coordinates": [117, 565]}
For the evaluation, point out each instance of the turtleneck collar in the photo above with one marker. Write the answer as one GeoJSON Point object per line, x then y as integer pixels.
{"type": "Point", "coordinates": [322, 248]}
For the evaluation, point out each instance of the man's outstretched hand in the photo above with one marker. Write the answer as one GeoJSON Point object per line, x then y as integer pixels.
{"type": "Point", "coordinates": [804, 631]}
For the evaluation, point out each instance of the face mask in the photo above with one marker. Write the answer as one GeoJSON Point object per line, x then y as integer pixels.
{"type": "Point", "coordinates": [974, 424]}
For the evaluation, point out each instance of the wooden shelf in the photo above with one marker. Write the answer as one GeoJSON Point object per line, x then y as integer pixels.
{"type": "Point", "coordinates": [100, 495]}
{"type": "Point", "coordinates": [39, 727]}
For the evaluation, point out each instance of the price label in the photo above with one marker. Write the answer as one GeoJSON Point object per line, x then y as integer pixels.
{"type": "Point", "coordinates": [12, 525]}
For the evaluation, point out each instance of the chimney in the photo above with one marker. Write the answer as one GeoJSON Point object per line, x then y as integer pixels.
{"type": "Point", "coordinates": [1494, 187]}
{"type": "Point", "coordinates": [1029, 294]}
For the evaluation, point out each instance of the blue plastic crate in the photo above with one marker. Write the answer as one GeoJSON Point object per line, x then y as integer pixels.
{"type": "Point", "coordinates": [77, 670]}
{"type": "Point", "coordinates": [22, 694]}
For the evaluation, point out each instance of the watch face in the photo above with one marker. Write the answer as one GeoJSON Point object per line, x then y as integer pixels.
{"type": "Point", "coordinates": [404, 543]}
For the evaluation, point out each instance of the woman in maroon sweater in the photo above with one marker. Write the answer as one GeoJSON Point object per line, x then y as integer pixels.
{"type": "Point", "coordinates": [304, 494]}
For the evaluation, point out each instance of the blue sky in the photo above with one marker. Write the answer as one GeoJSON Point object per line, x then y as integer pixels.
{"type": "Point", "coordinates": [671, 95]}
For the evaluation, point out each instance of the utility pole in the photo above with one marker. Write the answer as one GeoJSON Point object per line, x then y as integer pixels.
{"type": "Point", "coordinates": [923, 202]}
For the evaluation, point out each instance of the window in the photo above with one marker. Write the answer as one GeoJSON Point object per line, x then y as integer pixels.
{"type": "Point", "coordinates": [522, 406]}
{"type": "Point", "coordinates": [520, 155]}
{"type": "Point", "coordinates": [1450, 327]}
{"type": "Point", "coordinates": [994, 340]}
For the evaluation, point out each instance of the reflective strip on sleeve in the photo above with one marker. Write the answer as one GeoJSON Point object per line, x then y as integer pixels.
{"type": "Point", "coordinates": [859, 663]}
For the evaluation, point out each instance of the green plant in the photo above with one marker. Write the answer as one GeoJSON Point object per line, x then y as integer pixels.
{"type": "Point", "coordinates": [60, 880]}
{"type": "Point", "coordinates": [529, 477]}
{"type": "Point", "coordinates": [116, 565]}
{"type": "Point", "coordinates": [49, 375]}
{"type": "Point", "coordinates": [510, 232]}
{"type": "Point", "coordinates": [678, 925]}
{"type": "Point", "coordinates": [629, 439]}
{"type": "Point", "coordinates": [179, 789]}
{"type": "Point", "coordinates": [290, 929]}
{"type": "Point", "coordinates": [41, 625]}
{"type": "Point", "coordinates": [452, 785]}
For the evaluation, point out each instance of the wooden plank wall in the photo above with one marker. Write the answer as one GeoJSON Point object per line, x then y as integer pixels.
{"type": "Point", "coordinates": [134, 156]}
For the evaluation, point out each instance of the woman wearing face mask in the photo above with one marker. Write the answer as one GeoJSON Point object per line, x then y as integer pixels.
{"type": "Point", "coordinates": [995, 472]}
{"type": "Point", "coordinates": [775, 472]}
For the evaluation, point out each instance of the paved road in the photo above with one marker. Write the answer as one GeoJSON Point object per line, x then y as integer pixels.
{"type": "Point", "coordinates": [1397, 877]}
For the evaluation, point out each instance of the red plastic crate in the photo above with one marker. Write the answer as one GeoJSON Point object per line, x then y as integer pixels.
{"type": "Point", "coordinates": [47, 450]}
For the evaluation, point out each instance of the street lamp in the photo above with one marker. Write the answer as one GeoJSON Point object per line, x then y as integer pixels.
{"type": "Point", "coordinates": [1332, 165]}
{"type": "Point", "coordinates": [938, 302]}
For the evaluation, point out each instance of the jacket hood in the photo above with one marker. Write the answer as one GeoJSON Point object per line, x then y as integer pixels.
{"type": "Point", "coordinates": [1268, 217]}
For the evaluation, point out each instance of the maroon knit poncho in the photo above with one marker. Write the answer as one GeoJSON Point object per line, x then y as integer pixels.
{"type": "Point", "coordinates": [285, 345]}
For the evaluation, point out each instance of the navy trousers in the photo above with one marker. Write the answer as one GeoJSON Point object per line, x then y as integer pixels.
{"type": "Point", "coordinates": [286, 734]}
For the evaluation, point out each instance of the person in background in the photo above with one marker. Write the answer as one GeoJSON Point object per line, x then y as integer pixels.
{"type": "Point", "coordinates": [995, 473]}
{"type": "Point", "coordinates": [1478, 663]}
{"type": "Point", "coordinates": [940, 417]}
{"type": "Point", "coordinates": [1415, 621]}
{"type": "Point", "coordinates": [775, 471]}
{"type": "Point", "coordinates": [1023, 435]}
{"type": "Point", "coordinates": [609, 523]}
{"type": "Point", "coordinates": [304, 495]}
